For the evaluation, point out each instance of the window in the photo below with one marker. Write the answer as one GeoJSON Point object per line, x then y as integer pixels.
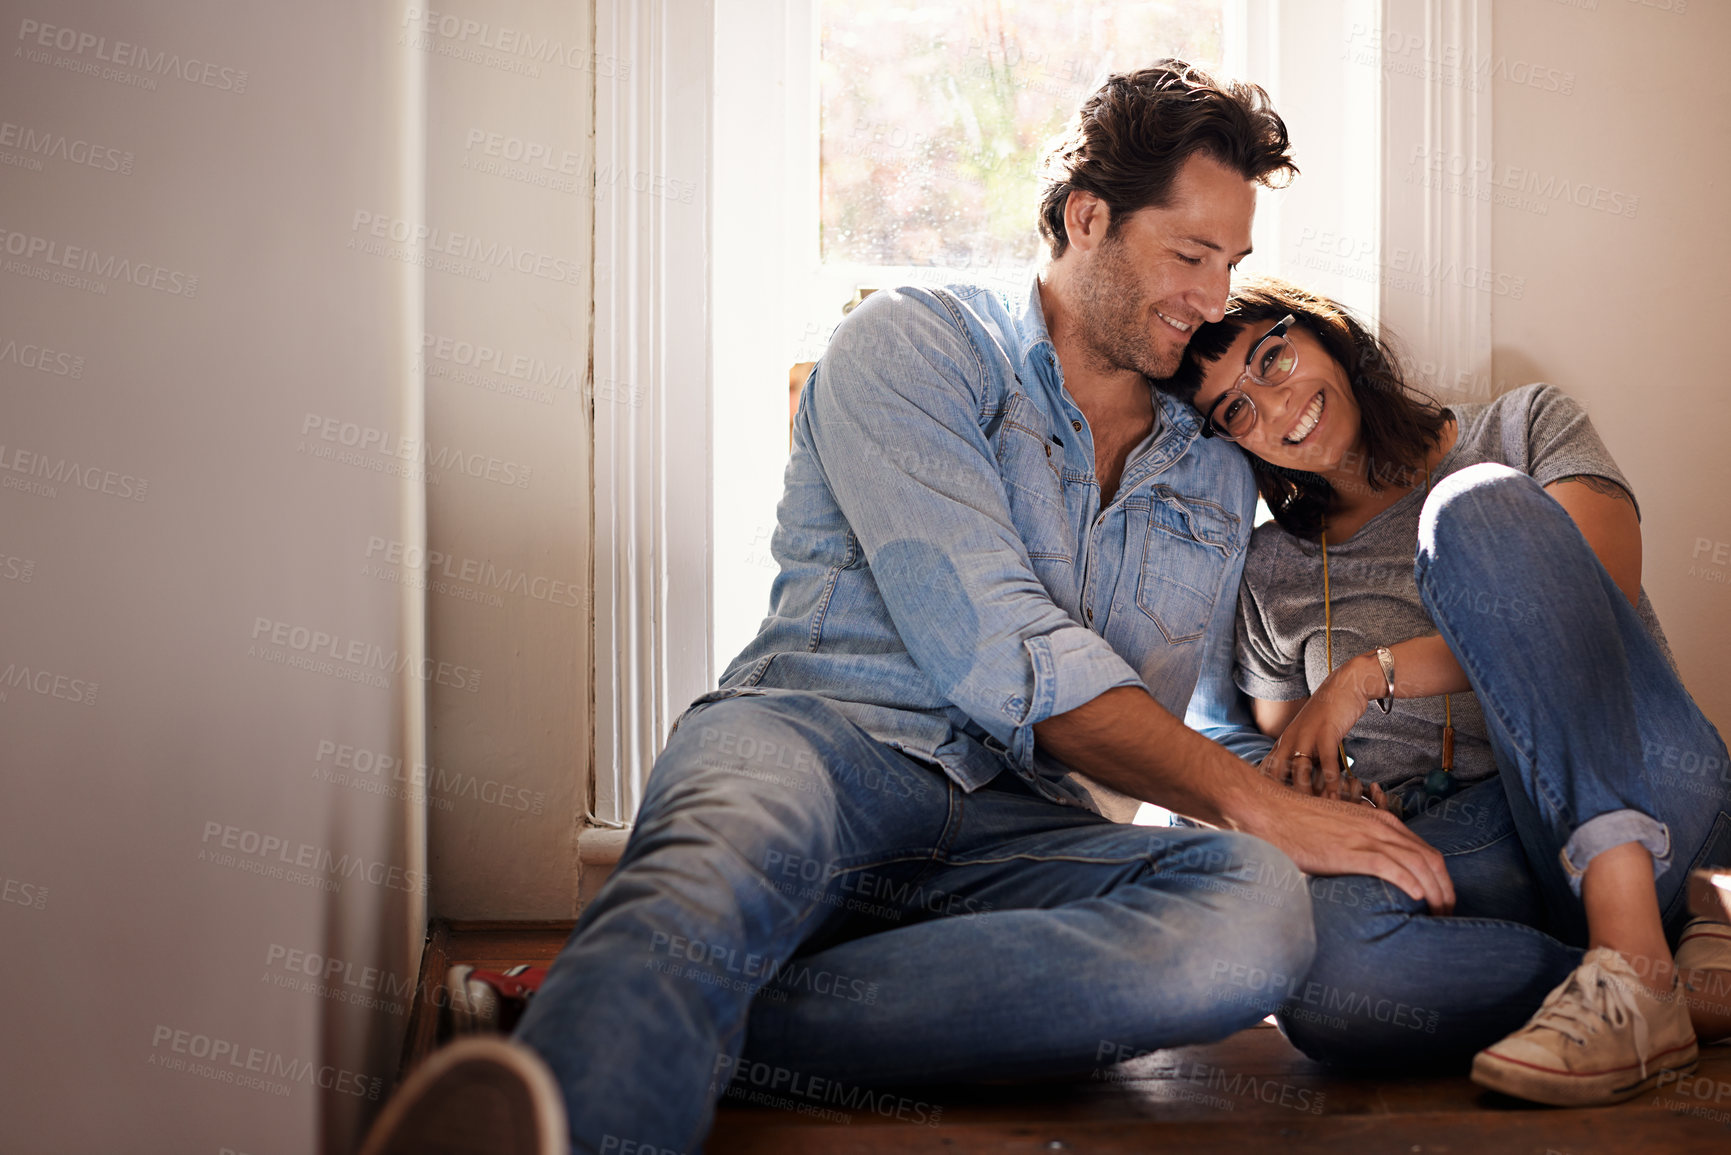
{"type": "Point", "coordinates": [905, 153]}
{"type": "Point", "coordinates": [934, 117]}
{"type": "Point", "coordinates": [709, 309]}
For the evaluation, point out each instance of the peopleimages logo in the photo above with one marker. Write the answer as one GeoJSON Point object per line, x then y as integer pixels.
{"type": "Point", "coordinates": [1531, 188]}
{"type": "Point", "coordinates": [479, 34]}
{"type": "Point", "coordinates": [475, 572]}
{"type": "Point", "coordinates": [21, 893]}
{"type": "Point", "coordinates": [59, 146]}
{"type": "Point", "coordinates": [439, 351]}
{"type": "Point", "coordinates": [374, 772]}
{"type": "Point", "coordinates": [47, 683]}
{"type": "Point", "coordinates": [255, 1068]}
{"type": "Point", "coordinates": [78, 259]}
{"type": "Point", "coordinates": [307, 648]}
{"type": "Point", "coordinates": [351, 435]}
{"type": "Point", "coordinates": [89, 47]}
{"type": "Point", "coordinates": [466, 247]}
{"type": "Point", "coordinates": [49, 471]}
{"type": "Point", "coordinates": [267, 855]}
{"type": "Point", "coordinates": [338, 980]}
{"type": "Point", "coordinates": [41, 358]}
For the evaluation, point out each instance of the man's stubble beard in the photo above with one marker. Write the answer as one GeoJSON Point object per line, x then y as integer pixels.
{"type": "Point", "coordinates": [1114, 315]}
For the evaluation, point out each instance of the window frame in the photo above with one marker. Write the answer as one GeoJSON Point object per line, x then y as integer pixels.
{"type": "Point", "coordinates": [657, 271]}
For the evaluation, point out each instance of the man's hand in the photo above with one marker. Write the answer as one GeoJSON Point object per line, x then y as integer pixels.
{"type": "Point", "coordinates": [1324, 836]}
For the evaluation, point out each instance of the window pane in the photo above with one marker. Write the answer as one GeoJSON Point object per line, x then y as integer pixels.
{"type": "Point", "coordinates": [934, 115]}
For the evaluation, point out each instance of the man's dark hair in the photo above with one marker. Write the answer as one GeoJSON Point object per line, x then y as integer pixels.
{"type": "Point", "coordinates": [1399, 425]}
{"type": "Point", "coordinates": [1133, 133]}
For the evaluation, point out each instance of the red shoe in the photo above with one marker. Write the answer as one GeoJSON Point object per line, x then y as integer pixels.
{"type": "Point", "coordinates": [481, 1001]}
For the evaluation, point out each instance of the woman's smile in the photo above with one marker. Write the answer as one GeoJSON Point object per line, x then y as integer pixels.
{"type": "Point", "coordinates": [1308, 420]}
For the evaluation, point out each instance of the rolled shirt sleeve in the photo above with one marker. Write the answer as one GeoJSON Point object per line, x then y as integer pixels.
{"type": "Point", "coordinates": [895, 413]}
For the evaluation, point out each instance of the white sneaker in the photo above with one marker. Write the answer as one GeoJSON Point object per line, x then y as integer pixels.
{"type": "Point", "coordinates": [483, 1095]}
{"type": "Point", "coordinates": [1704, 964]}
{"type": "Point", "coordinates": [1600, 1037]}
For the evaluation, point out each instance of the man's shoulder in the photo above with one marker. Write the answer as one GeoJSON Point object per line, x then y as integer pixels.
{"type": "Point", "coordinates": [915, 308]}
{"type": "Point", "coordinates": [960, 328]}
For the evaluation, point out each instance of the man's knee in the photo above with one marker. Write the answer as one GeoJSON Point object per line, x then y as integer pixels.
{"type": "Point", "coordinates": [790, 747]}
{"type": "Point", "coordinates": [740, 771]}
{"type": "Point", "coordinates": [779, 732]}
{"type": "Point", "coordinates": [745, 746]}
{"type": "Point", "coordinates": [773, 778]}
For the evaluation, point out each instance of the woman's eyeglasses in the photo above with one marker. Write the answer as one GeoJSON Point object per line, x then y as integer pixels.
{"type": "Point", "coordinates": [1271, 360]}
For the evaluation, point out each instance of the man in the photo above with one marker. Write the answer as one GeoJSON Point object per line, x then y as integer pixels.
{"type": "Point", "coordinates": [870, 858]}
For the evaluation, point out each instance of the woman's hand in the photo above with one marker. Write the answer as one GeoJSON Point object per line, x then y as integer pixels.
{"type": "Point", "coordinates": [1300, 772]}
{"type": "Point", "coordinates": [1306, 755]}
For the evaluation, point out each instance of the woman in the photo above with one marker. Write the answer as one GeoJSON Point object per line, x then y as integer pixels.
{"type": "Point", "coordinates": [1475, 571]}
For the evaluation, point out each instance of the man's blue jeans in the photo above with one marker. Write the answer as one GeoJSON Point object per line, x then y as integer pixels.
{"type": "Point", "coordinates": [1597, 744]}
{"type": "Point", "coordinates": [805, 913]}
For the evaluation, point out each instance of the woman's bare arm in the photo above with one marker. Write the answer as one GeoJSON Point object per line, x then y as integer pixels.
{"type": "Point", "coordinates": [1605, 514]}
{"type": "Point", "coordinates": [1272, 717]}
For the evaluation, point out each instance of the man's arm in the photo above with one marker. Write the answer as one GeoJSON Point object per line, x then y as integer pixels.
{"type": "Point", "coordinates": [893, 412]}
{"type": "Point", "coordinates": [1126, 740]}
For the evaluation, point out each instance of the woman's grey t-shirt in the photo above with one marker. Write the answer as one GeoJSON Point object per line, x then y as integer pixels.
{"type": "Point", "coordinates": [1537, 429]}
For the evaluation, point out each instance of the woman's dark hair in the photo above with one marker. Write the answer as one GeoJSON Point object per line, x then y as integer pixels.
{"type": "Point", "coordinates": [1133, 133]}
{"type": "Point", "coordinates": [1399, 425]}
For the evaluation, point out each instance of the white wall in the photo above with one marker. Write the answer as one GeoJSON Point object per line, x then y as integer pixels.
{"type": "Point", "coordinates": [509, 162]}
{"type": "Point", "coordinates": [182, 514]}
{"type": "Point", "coordinates": [1624, 294]}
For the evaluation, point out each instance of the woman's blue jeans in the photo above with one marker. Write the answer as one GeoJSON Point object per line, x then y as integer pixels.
{"type": "Point", "coordinates": [803, 915]}
{"type": "Point", "coordinates": [1597, 744]}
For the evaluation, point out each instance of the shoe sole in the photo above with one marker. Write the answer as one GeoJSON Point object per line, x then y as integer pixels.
{"type": "Point", "coordinates": [1704, 956]}
{"type": "Point", "coordinates": [1561, 1089]}
{"type": "Point", "coordinates": [477, 1096]}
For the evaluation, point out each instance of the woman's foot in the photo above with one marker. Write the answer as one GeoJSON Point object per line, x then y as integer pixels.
{"type": "Point", "coordinates": [1704, 964]}
{"type": "Point", "coordinates": [1600, 1037]}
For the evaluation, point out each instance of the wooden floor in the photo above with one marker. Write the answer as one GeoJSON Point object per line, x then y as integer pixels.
{"type": "Point", "coordinates": [1252, 1092]}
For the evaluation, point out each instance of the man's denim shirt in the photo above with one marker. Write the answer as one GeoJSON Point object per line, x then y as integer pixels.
{"type": "Point", "coordinates": [948, 577]}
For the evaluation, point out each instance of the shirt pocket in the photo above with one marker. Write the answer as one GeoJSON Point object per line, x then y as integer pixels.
{"type": "Point", "coordinates": [1185, 554]}
{"type": "Point", "coordinates": [1031, 464]}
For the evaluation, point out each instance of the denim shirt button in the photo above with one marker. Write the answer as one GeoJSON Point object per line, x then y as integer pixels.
{"type": "Point", "coordinates": [1076, 425]}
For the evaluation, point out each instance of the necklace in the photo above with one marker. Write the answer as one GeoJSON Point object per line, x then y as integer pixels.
{"type": "Point", "coordinates": [1438, 783]}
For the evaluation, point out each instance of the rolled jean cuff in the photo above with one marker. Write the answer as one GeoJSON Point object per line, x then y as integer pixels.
{"type": "Point", "coordinates": [1613, 828]}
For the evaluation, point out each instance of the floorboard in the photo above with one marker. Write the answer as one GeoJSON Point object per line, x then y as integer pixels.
{"type": "Point", "coordinates": [1251, 1092]}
